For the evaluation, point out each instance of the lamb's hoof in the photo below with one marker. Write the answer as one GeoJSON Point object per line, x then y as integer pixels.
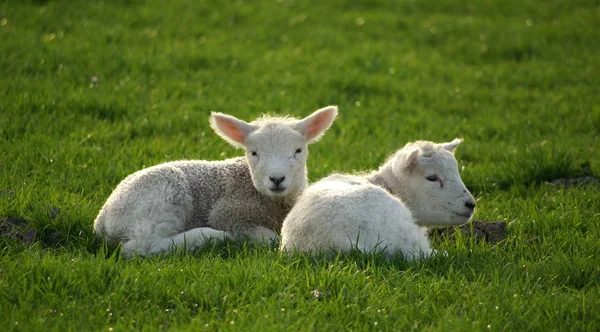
{"type": "Point", "coordinates": [130, 249]}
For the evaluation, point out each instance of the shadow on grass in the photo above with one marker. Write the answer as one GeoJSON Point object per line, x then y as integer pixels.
{"type": "Point", "coordinates": [228, 249]}
{"type": "Point", "coordinates": [534, 168]}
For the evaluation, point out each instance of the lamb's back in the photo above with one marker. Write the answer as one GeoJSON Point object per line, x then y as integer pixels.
{"type": "Point", "coordinates": [211, 181]}
{"type": "Point", "coordinates": [332, 211]}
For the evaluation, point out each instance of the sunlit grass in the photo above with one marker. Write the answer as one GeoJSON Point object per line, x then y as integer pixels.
{"type": "Point", "coordinates": [94, 90]}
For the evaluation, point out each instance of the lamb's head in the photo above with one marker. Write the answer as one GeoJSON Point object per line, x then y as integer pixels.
{"type": "Point", "coordinates": [276, 147]}
{"type": "Point", "coordinates": [430, 185]}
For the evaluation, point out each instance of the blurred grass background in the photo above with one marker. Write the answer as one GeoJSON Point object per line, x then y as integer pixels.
{"type": "Point", "coordinates": [91, 91]}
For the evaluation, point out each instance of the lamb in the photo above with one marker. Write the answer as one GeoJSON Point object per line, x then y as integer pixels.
{"type": "Point", "coordinates": [186, 203]}
{"type": "Point", "coordinates": [417, 186]}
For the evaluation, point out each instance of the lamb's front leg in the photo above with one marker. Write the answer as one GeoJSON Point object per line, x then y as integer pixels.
{"type": "Point", "coordinates": [190, 240]}
{"type": "Point", "coordinates": [195, 238]}
{"type": "Point", "coordinates": [261, 233]}
{"type": "Point", "coordinates": [244, 219]}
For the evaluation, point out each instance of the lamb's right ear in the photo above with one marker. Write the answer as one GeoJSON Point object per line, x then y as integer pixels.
{"type": "Point", "coordinates": [451, 146]}
{"type": "Point", "coordinates": [231, 129]}
{"type": "Point", "coordinates": [315, 125]}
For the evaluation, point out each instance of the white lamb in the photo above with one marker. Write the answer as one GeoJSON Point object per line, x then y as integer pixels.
{"type": "Point", "coordinates": [186, 203]}
{"type": "Point", "coordinates": [417, 186]}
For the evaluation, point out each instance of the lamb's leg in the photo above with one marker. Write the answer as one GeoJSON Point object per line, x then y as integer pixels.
{"type": "Point", "coordinates": [261, 233]}
{"type": "Point", "coordinates": [243, 219]}
{"type": "Point", "coordinates": [190, 240]}
{"type": "Point", "coordinates": [417, 247]}
{"type": "Point", "coordinates": [146, 208]}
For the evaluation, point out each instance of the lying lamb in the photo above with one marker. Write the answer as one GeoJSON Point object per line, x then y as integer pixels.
{"type": "Point", "coordinates": [418, 186]}
{"type": "Point", "coordinates": [185, 203]}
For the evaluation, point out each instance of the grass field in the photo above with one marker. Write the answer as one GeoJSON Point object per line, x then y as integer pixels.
{"type": "Point", "coordinates": [518, 80]}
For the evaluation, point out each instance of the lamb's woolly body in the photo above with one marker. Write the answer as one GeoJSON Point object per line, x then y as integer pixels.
{"type": "Point", "coordinates": [184, 195]}
{"type": "Point", "coordinates": [343, 212]}
{"type": "Point", "coordinates": [381, 210]}
{"type": "Point", "coordinates": [185, 203]}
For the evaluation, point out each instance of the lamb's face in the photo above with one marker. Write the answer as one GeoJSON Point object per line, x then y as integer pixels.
{"type": "Point", "coordinates": [277, 159]}
{"type": "Point", "coordinates": [276, 148]}
{"type": "Point", "coordinates": [435, 192]}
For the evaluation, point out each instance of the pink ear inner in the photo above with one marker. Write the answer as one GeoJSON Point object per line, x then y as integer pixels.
{"type": "Point", "coordinates": [231, 130]}
{"type": "Point", "coordinates": [317, 124]}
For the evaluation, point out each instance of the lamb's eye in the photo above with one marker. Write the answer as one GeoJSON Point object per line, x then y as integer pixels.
{"type": "Point", "coordinates": [432, 178]}
{"type": "Point", "coordinates": [298, 151]}
{"type": "Point", "coordinates": [254, 153]}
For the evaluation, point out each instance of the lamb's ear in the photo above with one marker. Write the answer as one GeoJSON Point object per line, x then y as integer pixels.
{"type": "Point", "coordinates": [314, 125]}
{"type": "Point", "coordinates": [406, 162]}
{"type": "Point", "coordinates": [231, 129]}
{"type": "Point", "coordinates": [451, 146]}
{"type": "Point", "coordinates": [412, 160]}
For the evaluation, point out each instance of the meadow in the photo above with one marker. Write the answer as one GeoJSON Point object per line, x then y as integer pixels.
{"type": "Point", "coordinates": [91, 91]}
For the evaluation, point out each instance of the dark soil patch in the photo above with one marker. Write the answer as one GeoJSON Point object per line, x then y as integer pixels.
{"type": "Point", "coordinates": [492, 232]}
{"type": "Point", "coordinates": [21, 230]}
{"type": "Point", "coordinates": [580, 181]}
{"type": "Point", "coordinates": [17, 228]}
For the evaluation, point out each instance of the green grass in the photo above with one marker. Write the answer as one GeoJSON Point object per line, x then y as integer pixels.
{"type": "Point", "coordinates": [519, 80]}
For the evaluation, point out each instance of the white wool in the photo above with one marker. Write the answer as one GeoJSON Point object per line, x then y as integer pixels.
{"type": "Point", "coordinates": [185, 203]}
{"type": "Point", "coordinates": [418, 186]}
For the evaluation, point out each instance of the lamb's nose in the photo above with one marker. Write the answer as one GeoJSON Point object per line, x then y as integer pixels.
{"type": "Point", "coordinates": [470, 205]}
{"type": "Point", "coordinates": [277, 180]}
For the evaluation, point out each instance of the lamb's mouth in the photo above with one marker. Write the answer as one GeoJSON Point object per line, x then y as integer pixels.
{"type": "Point", "coordinates": [464, 215]}
{"type": "Point", "coordinates": [278, 190]}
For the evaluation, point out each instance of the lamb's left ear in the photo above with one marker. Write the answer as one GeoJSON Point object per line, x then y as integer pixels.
{"type": "Point", "coordinates": [231, 129]}
{"type": "Point", "coordinates": [451, 146]}
{"type": "Point", "coordinates": [412, 160]}
{"type": "Point", "coordinates": [315, 125]}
